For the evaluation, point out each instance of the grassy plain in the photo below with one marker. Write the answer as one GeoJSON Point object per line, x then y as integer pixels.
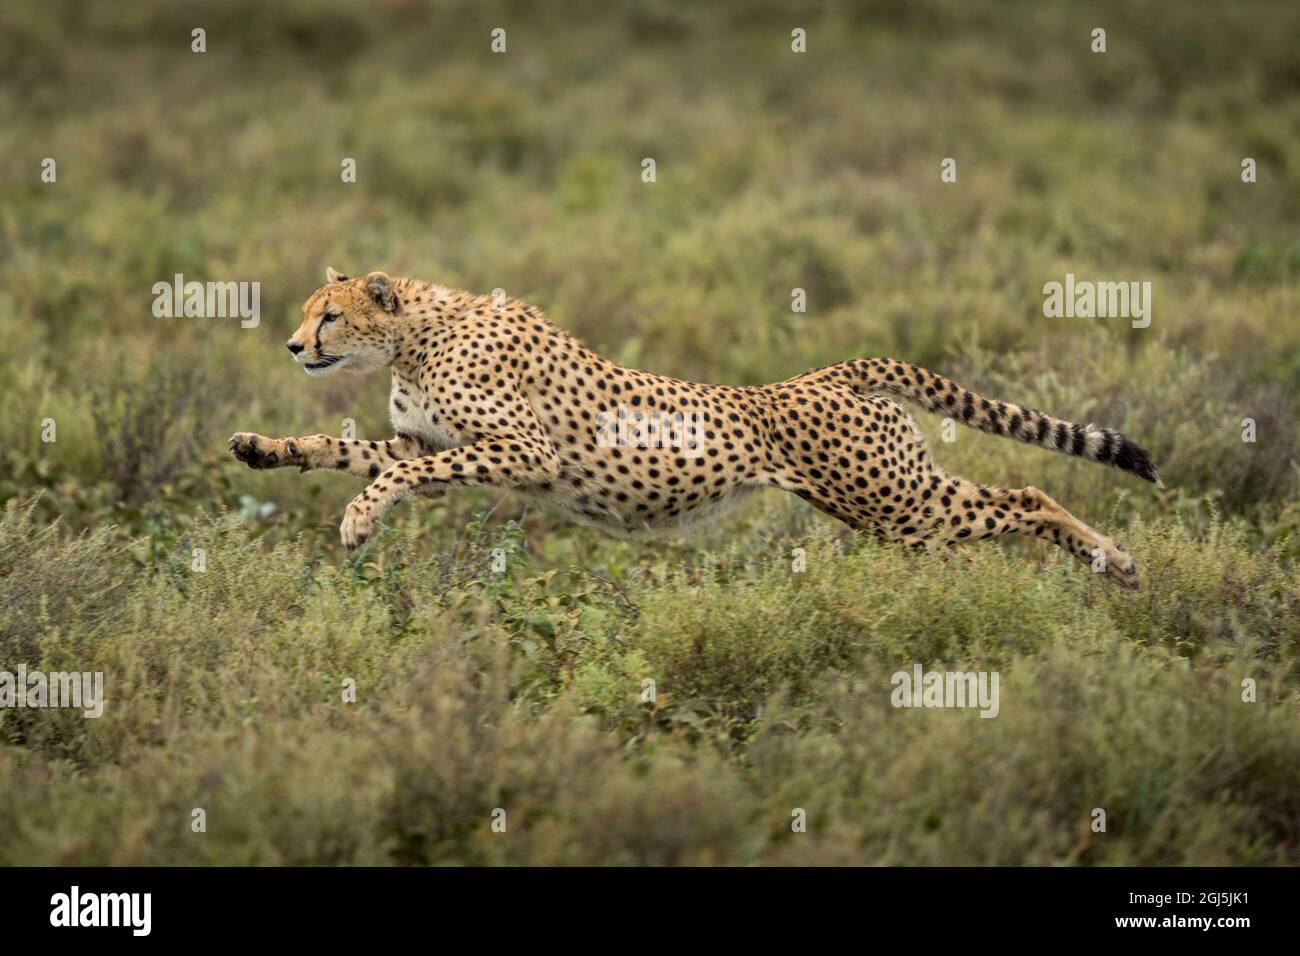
{"type": "Point", "coordinates": [522, 690]}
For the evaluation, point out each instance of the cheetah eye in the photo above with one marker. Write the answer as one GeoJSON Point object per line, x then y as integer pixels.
{"type": "Point", "coordinates": [328, 317]}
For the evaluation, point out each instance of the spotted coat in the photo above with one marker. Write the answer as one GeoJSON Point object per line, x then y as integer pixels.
{"type": "Point", "coordinates": [489, 392]}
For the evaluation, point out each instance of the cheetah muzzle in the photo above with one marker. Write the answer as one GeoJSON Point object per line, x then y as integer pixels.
{"type": "Point", "coordinates": [487, 392]}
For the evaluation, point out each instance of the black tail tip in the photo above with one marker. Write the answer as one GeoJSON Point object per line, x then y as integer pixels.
{"type": "Point", "coordinates": [1135, 460]}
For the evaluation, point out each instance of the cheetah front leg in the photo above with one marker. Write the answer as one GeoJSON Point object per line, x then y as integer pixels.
{"type": "Point", "coordinates": [366, 459]}
{"type": "Point", "coordinates": [503, 462]}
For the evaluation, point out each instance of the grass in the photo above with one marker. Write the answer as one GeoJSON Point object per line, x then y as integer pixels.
{"type": "Point", "coordinates": [524, 689]}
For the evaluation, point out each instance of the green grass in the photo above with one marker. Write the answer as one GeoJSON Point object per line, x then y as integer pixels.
{"type": "Point", "coordinates": [523, 690]}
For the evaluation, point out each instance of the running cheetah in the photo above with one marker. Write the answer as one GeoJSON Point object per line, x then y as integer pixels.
{"type": "Point", "coordinates": [488, 392]}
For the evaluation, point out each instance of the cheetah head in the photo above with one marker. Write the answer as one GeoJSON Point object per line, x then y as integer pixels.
{"type": "Point", "coordinates": [346, 325]}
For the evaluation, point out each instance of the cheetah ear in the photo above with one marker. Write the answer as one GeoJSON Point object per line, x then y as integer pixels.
{"type": "Point", "coordinates": [381, 291]}
{"type": "Point", "coordinates": [332, 276]}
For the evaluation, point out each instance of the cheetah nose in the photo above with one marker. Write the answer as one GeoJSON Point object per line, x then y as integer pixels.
{"type": "Point", "coordinates": [293, 347]}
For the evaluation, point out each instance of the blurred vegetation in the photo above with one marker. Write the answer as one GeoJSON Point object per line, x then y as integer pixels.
{"type": "Point", "coordinates": [522, 689]}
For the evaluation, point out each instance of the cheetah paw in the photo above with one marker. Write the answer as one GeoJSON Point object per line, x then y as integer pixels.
{"type": "Point", "coordinates": [358, 524]}
{"type": "Point", "coordinates": [258, 451]}
{"type": "Point", "coordinates": [1120, 566]}
{"type": "Point", "coordinates": [1125, 572]}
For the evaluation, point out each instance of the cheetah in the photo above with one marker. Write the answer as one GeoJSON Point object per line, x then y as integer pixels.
{"type": "Point", "coordinates": [487, 392]}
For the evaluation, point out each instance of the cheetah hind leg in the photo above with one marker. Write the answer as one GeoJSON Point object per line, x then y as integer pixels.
{"type": "Point", "coordinates": [1087, 544]}
{"type": "Point", "coordinates": [1029, 511]}
{"type": "Point", "coordinates": [965, 512]}
{"type": "Point", "coordinates": [961, 511]}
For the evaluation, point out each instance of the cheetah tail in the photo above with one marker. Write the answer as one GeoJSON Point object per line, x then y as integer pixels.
{"type": "Point", "coordinates": [943, 397]}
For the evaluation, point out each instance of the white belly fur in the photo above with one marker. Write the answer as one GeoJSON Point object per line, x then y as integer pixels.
{"type": "Point", "coordinates": [417, 421]}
